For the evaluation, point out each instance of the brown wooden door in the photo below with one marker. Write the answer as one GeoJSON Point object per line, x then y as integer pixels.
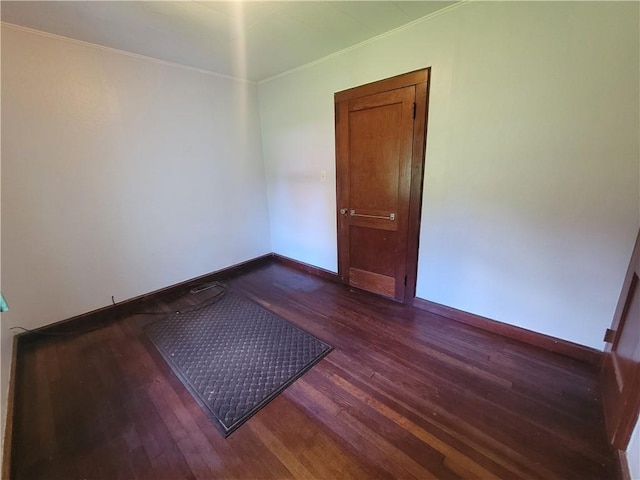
{"type": "Point", "coordinates": [621, 365]}
{"type": "Point", "coordinates": [380, 150]}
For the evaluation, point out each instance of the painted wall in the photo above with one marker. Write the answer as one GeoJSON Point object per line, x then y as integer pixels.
{"type": "Point", "coordinates": [6, 351]}
{"type": "Point", "coordinates": [633, 454]}
{"type": "Point", "coordinates": [120, 176]}
{"type": "Point", "coordinates": [531, 194]}
{"type": "Point", "coordinates": [6, 343]}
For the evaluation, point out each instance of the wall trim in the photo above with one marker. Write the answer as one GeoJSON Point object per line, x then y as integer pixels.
{"type": "Point", "coordinates": [547, 342]}
{"type": "Point", "coordinates": [8, 424]}
{"type": "Point", "coordinates": [105, 315]}
{"type": "Point", "coordinates": [307, 268]}
{"type": "Point", "coordinates": [556, 345]}
{"type": "Point", "coordinates": [110, 313]}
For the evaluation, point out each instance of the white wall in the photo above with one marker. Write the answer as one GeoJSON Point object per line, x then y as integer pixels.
{"type": "Point", "coordinates": [6, 345]}
{"type": "Point", "coordinates": [6, 349]}
{"type": "Point", "coordinates": [633, 453]}
{"type": "Point", "coordinates": [120, 176]}
{"type": "Point", "coordinates": [531, 195]}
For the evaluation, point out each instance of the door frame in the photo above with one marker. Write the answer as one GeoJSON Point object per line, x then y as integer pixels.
{"type": "Point", "coordinates": [619, 432]}
{"type": "Point", "coordinates": [421, 80]}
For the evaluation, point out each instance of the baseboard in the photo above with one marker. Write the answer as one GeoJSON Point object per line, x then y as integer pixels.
{"type": "Point", "coordinates": [8, 425]}
{"type": "Point", "coordinates": [111, 312]}
{"type": "Point", "coordinates": [305, 267]}
{"type": "Point", "coordinates": [552, 344]}
{"type": "Point", "coordinates": [105, 315]}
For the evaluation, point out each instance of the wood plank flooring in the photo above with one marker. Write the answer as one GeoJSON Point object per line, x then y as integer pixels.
{"type": "Point", "coordinates": [405, 394]}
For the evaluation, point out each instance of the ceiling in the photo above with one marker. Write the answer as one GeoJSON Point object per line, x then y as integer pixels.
{"type": "Point", "coordinates": [253, 40]}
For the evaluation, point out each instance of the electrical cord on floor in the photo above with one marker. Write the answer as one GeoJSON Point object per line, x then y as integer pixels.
{"type": "Point", "coordinates": [56, 334]}
{"type": "Point", "coordinates": [221, 292]}
{"type": "Point", "coordinates": [192, 308]}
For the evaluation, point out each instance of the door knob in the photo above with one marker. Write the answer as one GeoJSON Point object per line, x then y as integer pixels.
{"type": "Point", "coordinates": [343, 211]}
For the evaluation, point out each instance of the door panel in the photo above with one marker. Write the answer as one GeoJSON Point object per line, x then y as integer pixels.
{"type": "Point", "coordinates": [371, 250]}
{"type": "Point", "coordinates": [380, 132]}
{"type": "Point", "coordinates": [374, 153]}
{"type": "Point", "coordinates": [621, 364]}
{"type": "Point", "coordinates": [372, 260]}
{"type": "Point", "coordinates": [372, 282]}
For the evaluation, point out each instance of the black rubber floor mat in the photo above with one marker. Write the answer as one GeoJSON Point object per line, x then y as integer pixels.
{"type": "Point", "coordinates": [234, 356]}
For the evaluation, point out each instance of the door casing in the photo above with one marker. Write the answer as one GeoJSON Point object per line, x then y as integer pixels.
{"type": "Point", "coordinates": [620, 371]}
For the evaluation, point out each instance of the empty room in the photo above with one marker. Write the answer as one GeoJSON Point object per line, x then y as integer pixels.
{"type": "Point", "coordinates": [320, 239]}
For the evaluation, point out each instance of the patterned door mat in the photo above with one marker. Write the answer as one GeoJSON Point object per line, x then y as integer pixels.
{"type": "Point", "coordinates": [234, 356]}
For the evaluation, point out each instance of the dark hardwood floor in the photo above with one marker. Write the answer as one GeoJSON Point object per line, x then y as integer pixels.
{"type": "Point", "coordinates": [405, 394]}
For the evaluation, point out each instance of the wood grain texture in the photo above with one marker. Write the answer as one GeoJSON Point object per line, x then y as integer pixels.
{"type": "Point", "coordinates": [552, 344]}
{"type": "Point", "coordinates": [342, 188]}
{"type": "Point", "coordinates": [404, 394]}
{"type": "Point", "coordinates": [372, 282]}
{"type": "Point", "coordinates": [305, 267]}
{"type": "Point", "coordinates": [8, 427]}
{"type": "Point", "coordinates": [380, 142]}
{"type": "Point", "coordinates": [417, 179]}
{"type": "Point", "coordinates": [622, 465]}
{"type": "Point", "coordinates": [393, 83]}
{"type": "Point", "coordinates": [621, 366]}
{"type": "Point", "coordinates": [378, 161]}
{"type": "Point", "coordinates": [109, 313]}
